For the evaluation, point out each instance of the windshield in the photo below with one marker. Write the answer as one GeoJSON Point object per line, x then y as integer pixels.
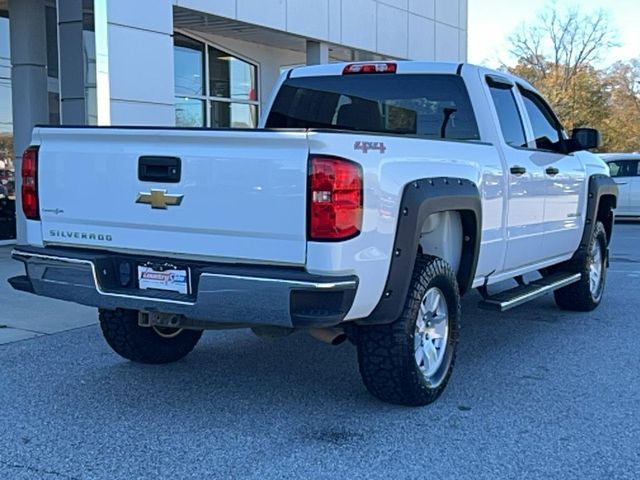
{"type": "Point", "coordinates": [432, 106]}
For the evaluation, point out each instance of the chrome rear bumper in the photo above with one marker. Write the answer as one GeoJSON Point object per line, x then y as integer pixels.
{"type": "Point", "coordinates": [222, 294]}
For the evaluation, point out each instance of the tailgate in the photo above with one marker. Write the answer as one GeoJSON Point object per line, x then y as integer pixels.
{"type": "Point", "coordinates": [240, 196]}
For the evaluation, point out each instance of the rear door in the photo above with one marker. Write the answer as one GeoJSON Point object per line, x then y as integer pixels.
{"type": "Point", "coordinates": [239, 196]}
{"type": "Point", "coordinates": [526, 186]}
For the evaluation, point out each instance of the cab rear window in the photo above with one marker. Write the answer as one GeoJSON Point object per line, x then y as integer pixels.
{"type": "Point", "coordinates": [431, 106]}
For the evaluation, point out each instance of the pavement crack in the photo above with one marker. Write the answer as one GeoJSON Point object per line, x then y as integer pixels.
{"type": "Point", "coordinates": [621, 259]}
{"type": "Point", "coordinates": [28, 330]}
{"type": "Point", "coordinates": [38, 470]}
{"type": "Point", "coordinates": [532, 377]}
{"type": "Point", "coordinates": [336, 436]}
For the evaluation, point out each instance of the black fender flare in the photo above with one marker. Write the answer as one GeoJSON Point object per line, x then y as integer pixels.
{"type": "Point", "coordinates": [600, 186]}
{"type": "Point", "coordinates": [420, 199]}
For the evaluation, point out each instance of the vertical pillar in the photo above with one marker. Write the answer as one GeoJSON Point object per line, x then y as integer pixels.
{"type": "Point", "coordinates": [134, 62]}
{"type": "Point", "coordinates": [317, 53]}
{"type": "Point", "coordinates": [71, 62]}
{"type": "Point", "coordinates": [29, 83]}
{"type": "Point", "coordinates": [356, 56]}
{"type": "Point", "coordinates": [103, 92]}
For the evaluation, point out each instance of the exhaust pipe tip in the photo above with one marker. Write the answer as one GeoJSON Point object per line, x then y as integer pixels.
{"type": "Point", "coordinates": [330, 336]}
{"type": "Point", "coordinates": [339, 339]}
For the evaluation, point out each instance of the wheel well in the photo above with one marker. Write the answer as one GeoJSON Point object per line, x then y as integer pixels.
{"type": "Point", "coordinates": [605, 213]}
{"type": "Point", "coordinates": [450, 235]}
{"type": "Point", "coordinates": [441, 236]}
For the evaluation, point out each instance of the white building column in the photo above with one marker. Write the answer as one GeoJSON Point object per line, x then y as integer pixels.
{"type": "Point", "coordinates": [317, 53]}
{"type": "Point", "coordinates": [134, 62]}
{"type": "Point", "coordinates": [29, 83]}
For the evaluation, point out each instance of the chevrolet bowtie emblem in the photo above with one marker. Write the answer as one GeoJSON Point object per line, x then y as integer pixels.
{"type": "Point", "coordinates": [159, 199]}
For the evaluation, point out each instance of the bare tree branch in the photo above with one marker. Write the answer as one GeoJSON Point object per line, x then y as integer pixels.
{"type": "Point", "coordinates": [563, 42]}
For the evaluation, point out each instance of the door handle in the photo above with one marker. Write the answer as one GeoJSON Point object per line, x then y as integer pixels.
{"type": "Point", "coordinates": [517, 170]}
{"type": "Point", "coordinates": [552, 171]}
{"type": "Point", "coordinates": [159, 169]}
{"type": "Point", "coordinates": [621, 183]}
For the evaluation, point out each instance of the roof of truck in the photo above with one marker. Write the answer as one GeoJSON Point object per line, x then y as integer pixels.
{"type": "Point", "coordinates": [609, 157]}
{"type": "Point", "coordinates": [404, 67]}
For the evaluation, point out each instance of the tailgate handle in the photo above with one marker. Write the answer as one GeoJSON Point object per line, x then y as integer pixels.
{"type": "Point", "coordinates": [159, 169]}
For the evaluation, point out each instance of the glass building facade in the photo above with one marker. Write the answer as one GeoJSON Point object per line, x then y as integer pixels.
{"type": "Point", "coordinates": [213, 87]}
{"type": "Point", "coordinates": [7, 172]}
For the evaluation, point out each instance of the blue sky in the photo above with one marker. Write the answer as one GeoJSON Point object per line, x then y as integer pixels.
{"type": "Point", "coordinates": [492, 21]}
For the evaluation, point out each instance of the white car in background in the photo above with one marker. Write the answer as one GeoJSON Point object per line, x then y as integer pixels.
{"type": "Point", "coordinates": [625, 171]}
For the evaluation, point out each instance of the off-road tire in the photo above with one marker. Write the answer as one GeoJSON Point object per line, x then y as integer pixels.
{"type": "Point", "coordinates": [386, 353]}
{"type": "Point", "coordinates": [142, 344]}
{"type": "Point", "coordinates": [578, 296]}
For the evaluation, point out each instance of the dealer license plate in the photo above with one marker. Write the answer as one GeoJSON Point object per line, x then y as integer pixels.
{"type": "Point", "coordinates": [168, 279]}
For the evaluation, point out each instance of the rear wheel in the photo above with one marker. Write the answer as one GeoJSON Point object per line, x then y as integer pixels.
{"type": "Point", "coordinates": [409, 361]}
{"type": "Point", "coordinates": [145, 344]}
{"type": "Point", "coordinates": [586, 294]}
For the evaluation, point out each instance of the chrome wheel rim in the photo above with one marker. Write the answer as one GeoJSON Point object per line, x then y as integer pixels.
{"type": "Point", "coordinates": [431, 332]}
{"type": "Point", "coordinates": [167, 332]}
{"type": "Point", "coordinates": [596, 267]}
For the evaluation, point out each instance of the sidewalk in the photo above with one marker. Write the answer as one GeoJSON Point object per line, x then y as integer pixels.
{"type": "Point", "coordinates": [24, 316]}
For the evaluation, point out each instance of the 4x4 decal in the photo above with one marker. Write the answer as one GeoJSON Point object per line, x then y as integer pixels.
{"type": "Point", "coordinates": [366, 146]}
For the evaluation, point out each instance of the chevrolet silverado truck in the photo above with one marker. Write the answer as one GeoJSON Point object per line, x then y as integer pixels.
{"type": "Point", "coordinates": [372, 197]}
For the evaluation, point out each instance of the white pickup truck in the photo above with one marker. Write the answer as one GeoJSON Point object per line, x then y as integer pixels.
{"type": "Point", "coordinates": [372, 197]}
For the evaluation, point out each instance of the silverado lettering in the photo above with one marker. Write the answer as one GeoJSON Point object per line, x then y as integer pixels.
{"type": "Point", "coordinates": [81, 235]}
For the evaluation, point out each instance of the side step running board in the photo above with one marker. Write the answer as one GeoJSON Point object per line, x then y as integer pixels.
{"type": "Point", "coordinates": [509, 299]}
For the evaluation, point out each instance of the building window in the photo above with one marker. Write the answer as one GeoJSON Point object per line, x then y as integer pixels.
{"type": "Point", "coordinates": [89, 62]}
{"type": "Point", "coordinates": [89, 57]}
{"type": "Point", "coordinates": [213, 88]}
{"type": "Point", "coordinates": [53, 72]}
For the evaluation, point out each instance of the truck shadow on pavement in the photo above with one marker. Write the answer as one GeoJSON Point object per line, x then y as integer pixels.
{"type": "Point", "coordinates": [235, 370]}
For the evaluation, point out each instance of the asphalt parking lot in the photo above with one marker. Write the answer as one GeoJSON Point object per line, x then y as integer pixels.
{"type": "Point", "coordinates": [537, 393]}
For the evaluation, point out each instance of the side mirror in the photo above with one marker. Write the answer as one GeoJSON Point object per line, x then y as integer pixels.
{"type": "Point", "coordinates": [585, 138]}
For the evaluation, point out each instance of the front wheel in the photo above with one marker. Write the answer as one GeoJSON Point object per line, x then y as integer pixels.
{"type": "Point", "coordinates": [409, 361]}
{"type": "Point", "coordinates": [586, 294]}
{"type": "Point", "coordinates": [145, 344]}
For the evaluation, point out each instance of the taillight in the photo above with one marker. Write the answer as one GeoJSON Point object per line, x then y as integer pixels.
{"type": "Point", "coordinates": [378, 67]}
{"type": "Point", "coordinates": [335, 198]}
{"type": "Point", "coordinates": [30, 204]}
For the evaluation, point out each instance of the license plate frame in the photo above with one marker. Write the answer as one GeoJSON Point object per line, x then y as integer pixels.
{"type": "Point", "coordinates": [165, 278]}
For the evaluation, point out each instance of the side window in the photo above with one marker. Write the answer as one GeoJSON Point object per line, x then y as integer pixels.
{"type": "Point", "coordinates": [508, 114]}
{"type": "Point", "coordinates": [624, 168]}
{"type": "Point", "coordinates": [614, 169]}
{"type": "Point", "coordinates": [547, 130]}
